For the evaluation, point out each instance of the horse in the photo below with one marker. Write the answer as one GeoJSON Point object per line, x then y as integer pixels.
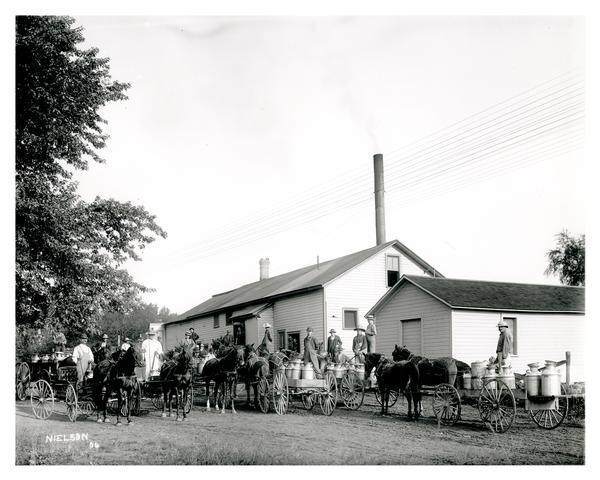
{"type": "Point", "coordinates": [176, 378]}
{"type": "Point", "coordinates": [255, 367]}
{"type": "Point", "coordinates": [433, 371]}
{"type": "Point", "coordinates": [400, 376]}
{"type": "Point", "coordinates": [116, 376]}
{"type": "Point", "coordinates": [223, 371]}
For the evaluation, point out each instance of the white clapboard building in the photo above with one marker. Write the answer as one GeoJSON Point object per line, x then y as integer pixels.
{"type": "Point", "coordinates": [332, 294]}
{"type": "Point", "coordinates": [437, 317]}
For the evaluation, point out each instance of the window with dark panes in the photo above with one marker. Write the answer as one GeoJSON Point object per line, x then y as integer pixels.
{"type": "Point", "coordinates": [392, 266]}
{"type": "Point", "coordinates": [216, 321]}
{"type": "Point", "coordinates": [228, 316]}
{"type": "Point", "coordinates": [350, 319]}
{"type": "Point", "coordinates": [281, 339]}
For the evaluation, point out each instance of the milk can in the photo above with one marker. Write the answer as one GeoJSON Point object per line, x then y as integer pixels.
{"type": "Point", "coordinates": [339, 371]}
{"type": "Point", "coordinates": [296, 370]}
{"type": "Point", "coordinates": [550, 379]}
{"type": "Point", "coordinates": [490, 374]}
{"type": "Point", "coordinates": [307, 371]}
{"type": "Point", "coordinates": [360, 371]}
{"type": "Point", "coordinates": [289, 368]}
{"type": "Point", "coordinates": [467, 381]}
{"type": "Point", "coordinates": [477, 369]}
{"type": "Point", "coordinates": [507, 376]}
{"type": "Point", "coordinates": [533, 380]}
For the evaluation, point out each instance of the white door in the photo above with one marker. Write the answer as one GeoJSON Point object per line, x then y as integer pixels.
{"type": "Point", "coordinates": [411, 335]}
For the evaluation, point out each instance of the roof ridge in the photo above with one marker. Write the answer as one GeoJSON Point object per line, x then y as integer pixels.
{"type": "Point", "coordinates": [494, 281]}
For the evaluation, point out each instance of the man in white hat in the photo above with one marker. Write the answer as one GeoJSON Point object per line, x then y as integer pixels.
{"type": "Point", "coordinates": [359, 344]}
{"type": "Point", "coordinates": [332, 343]}
{"type": "Point", "coordinates": [83, 357]}
{"type": "Point", "coordinates": [371, 332]}
{"type": "Point", "coordinates": [267, 342]}
{"type": "Point", "coordinates": [505, 344]}
{"type": "Point", "coordinates": [152, 352]}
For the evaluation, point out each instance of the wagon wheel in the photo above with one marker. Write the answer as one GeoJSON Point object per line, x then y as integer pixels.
{"type": "Point", "coordinates": [87, 408]}
{"type": "Point", "coordinates": [280, 393]}
{"type": "Point", "coordinates": [497, 406]}
{"type": "Point", "coordinates": [328, 398]}
{"type": "Point", "coordinates": [309, 400]}
{"type": "Point", "coordinates": [157, 401]}
{"type": "Point", "coordinates": [550, 419]}
{"type": "Point", "coordinates": [23, 379]}
{"type": "Point", "coordinates": [45, 375]}
{"type": "Point", "coordinates": [393, 397]}
{"type": "Point", "coordinates": [446, 404]}
{"type": "Point", "coordinates": [263, 395]}
{"type": "Point", "coordinates": [42, 399]}
{"type": "Point", "coordinates": [71, 402]}
{"type": "Point", "coordinates": [136, 399]}
{"type": "Point", "coordinates": [352, 390]}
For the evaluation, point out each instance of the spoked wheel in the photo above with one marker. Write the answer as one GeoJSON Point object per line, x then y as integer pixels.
{"type": "Point", "coordinates": [23, 378]}
{"type": "Point", "coordinates": [393, 397]}
{"type": "Point", "coordinates": [550, 419]}
{"type": "Point", "coordinates": [87, 408]}
{"type": "Point", "coordinates": [352, 390]}
{"type": "Point", "coordinates": [280, 393]}
{"type": "Point", "coordinates": [309, 400]}
{"type": "Point", "coordinates": [42, 399]}
{"type": "Point", "coordinates": [328, 398]}
{"type": "Point", "coordinates": [497, 406]}
{"type": "Point", "coordinates": [158, 401]}
{"type": "Point", "coordinates": [263, 395]}
{"type": "Point", "coordinates": [71, 402]}
{"type": "Point", "coordinates": [446, 404]}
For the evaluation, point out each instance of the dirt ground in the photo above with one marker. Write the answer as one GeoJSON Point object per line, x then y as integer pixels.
{"type": "Point", "coordinates": [299, 437]}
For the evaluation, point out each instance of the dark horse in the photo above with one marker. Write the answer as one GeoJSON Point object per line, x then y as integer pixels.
{"type": "Point", "coordinates": [255, 368]}
{"type": "Point", "coordinates": [223, 371]}
{"type": "Point", "coordinates": [176, 379]}
{"type": "Point", "coordinates": [116, 375]}
{"type": "Point", "coordinates": [433, 371]}
{"type": "Point", "coordinates": [400, 376]}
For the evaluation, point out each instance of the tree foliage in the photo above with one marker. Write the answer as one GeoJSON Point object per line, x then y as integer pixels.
{"type": "Point", "coordinates": [567, 259]}
{"type": "Point", "coordinates": [69, 252]}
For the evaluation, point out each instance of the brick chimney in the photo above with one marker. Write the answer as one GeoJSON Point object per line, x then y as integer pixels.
{"type": "Point", "coordinates": [264, 268]}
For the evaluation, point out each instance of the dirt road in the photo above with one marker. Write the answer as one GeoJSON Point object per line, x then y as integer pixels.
{"type": "Point", "coordinates": [300, 437]}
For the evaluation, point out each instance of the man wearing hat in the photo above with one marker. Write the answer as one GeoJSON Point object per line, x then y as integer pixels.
{"type": "Point", "coordinates": [310, 350]}
{"type": "Point", "coordinates": [102, 349]}
{"type": "Point", "coordinates": [188, 342]}
{"type": "Point", "coordinates": [83, 357]}
{"type": "Point", "coordinates": [371, 335]}
{"type": "Point", "coordinates": [332, 343]}
{"type": "Point", "coordinates": [505, 344]}
{"type": "Point", "coordinates": [194, 336]}
{"type": "Point", "coordinates": [359, 344]}
{"type": "Point", "coordinates": [267, 342]}
{"type": "Point", "coordinates": [228, 339]}
{"type": "Point", "coordinates": [126, 344]}
{"type": "Point", "coordinates": [152, 351]}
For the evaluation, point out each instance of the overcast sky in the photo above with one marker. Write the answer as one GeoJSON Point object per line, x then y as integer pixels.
{"type": "Point", "coordinates": [237, 128]}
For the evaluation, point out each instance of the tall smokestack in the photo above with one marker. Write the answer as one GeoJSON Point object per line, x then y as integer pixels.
{"type": "Point", "coordinates": [264, 268]}
{"type": "Point", "coordinates": [379, 200]}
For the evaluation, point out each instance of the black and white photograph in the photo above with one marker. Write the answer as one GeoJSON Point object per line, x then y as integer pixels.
{"type": "Point", "coordinates": [247, 238]}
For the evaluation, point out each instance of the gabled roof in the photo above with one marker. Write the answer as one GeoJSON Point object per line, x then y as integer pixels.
{"type": "Point", "coordinates": [298, 281]}
{"type": "Point", "coordinates": [497, 296]}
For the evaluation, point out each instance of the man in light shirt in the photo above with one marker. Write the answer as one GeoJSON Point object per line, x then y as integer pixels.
{"type": "Point", "coordinates": [83, 357]}
{"type": "Point", "coordinates": [152, 351]}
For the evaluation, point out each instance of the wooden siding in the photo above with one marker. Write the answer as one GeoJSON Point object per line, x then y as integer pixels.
{"type": "Point", "coordinates": [410, 303]}
{"type": "Point", "coordinates": [540, 337]}
{"type": "Point", "coordinates": [360, 288]}
{"type": "Point", "coordinates": [297, 313]}
{"type": "Point", "coordinates": [202, 326]}
{"type": "Point", "coordinates": [411, 335]}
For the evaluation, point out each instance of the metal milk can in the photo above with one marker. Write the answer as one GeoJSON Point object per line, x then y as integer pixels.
{"type": "Point", "coordinates": [490, 374]}
{"type": "Point", "coordinates": [550, 379]}
{"type": "Point", "coordinates": [296, 370]}
{"type": "Point", "coordinates": [477, 369]}
{"type": "Point", "coordinates": [467, 381]}
{"type": "Point", "coordinates": [360, 371]}
{"type": "Point", "coordinates": [533, 380]}
{"type": "Point", "coordinates": [507, 376]}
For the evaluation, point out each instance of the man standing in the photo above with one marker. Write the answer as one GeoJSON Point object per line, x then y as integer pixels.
{"type": "Point", "coordinates": [359, 345]}
{"type": "Point", "coordinates": [83, 357]}
{"type": "Point", "coordinates": [188, 342]}
{"type": "Point", "coordinates": [152, 351]}
{"type": "Point", "coordinates": [267, 341]}
{"type": "Point", "coordinates": [332, 343]}
{"type": "Point", "coordinates": [228, 339]}
{"type": "Point", "coordinates": [310, 350]}
{"type": "Point", "coordinates": [504, 347]}
{"type": "Point", "coordinates": [101, 351]}
{"type": "Point", "coordinates": [371, 336]}
{"type": "Point", "coordinates": [193, 335]}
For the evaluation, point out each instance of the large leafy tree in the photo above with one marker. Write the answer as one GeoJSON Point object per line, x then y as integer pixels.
{"type": "Point", "coordinates": [567, 259]}
{"type": "Point", "coordinates": [69, 252]}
